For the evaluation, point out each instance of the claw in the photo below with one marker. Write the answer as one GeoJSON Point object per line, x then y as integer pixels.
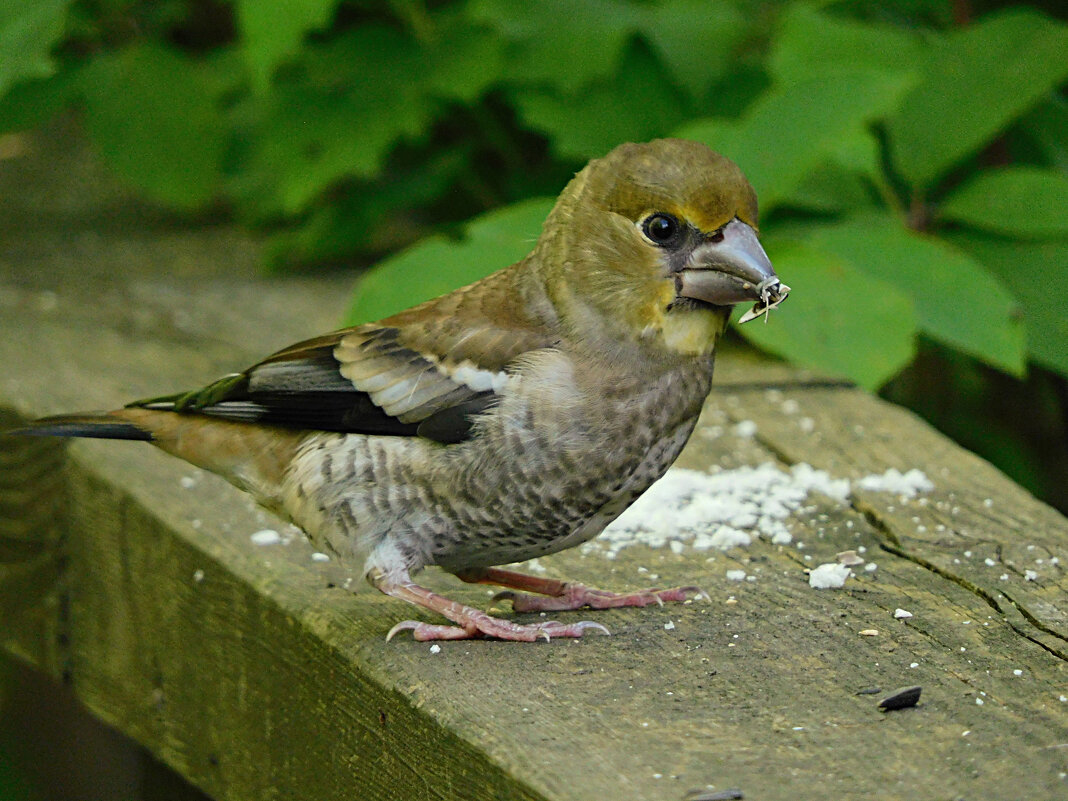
{"type": "Point", "coordinates": [589, 624]}
{"type": "Point", "coordinates": [404, 625]}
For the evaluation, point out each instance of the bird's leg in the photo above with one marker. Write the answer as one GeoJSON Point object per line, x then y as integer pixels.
{"type": "Point", "coordinates": [554, 595]}
{"type": "Point", "coordinates": [472, 623]}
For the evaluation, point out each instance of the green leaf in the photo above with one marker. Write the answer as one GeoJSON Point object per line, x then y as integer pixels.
{"type": "Point", "coordinates": [1037, 274]}
{"type": "Point", "coordinates": [830, 188]}
{"type": "Point", "coordinates": [698, 41]}
{"type": "Point", "coordinates": [811, 43]}
{"type": "Point", "coordinates": [363, 92]}
{"type": "Point", "coordinates": [560, 43]}
{"type": "Point", "coordinates": [272, 31]}
{"type": "Point", "coordinates": [29, 29]}
{"type": "Point", "coordinates": [637, 104]}
{"type": "Point", "coordinates": [31, 103]}
{"type": "Point", "coordinates": [1026, 202]}
{"type": "Point", "coordinates": [958, 301]}
{"type": "Point", "coordinates": [153, 114]}
{"type": "Point", "coordinates": [1047, 125]}
{"type": "Point", "coordinates": [840, 320]}
{"type": "Point", "coordinates": [438, 265]}
{"type": "Point", "coordinates": [975, 83]}
{"type": "Point", "coordinates": [792, 129]}
{"type": "Point", "coordinates": [462, 60]}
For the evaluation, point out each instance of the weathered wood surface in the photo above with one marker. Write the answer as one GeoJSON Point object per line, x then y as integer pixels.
{"type": "Point", "coordinates": [131, 576]}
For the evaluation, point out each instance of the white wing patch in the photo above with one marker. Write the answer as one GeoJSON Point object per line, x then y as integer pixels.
{"type": "Point", "coordinates": [474, 377]}
{"type": "Point", "coordinates": [407, 384]}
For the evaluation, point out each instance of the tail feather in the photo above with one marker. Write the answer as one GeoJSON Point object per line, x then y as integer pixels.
{"type": "Point", "coordinates": [101, 425]}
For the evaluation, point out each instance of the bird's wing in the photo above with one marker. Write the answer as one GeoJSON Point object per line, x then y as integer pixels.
{"type": "Point", "coordinates": [425, 372]}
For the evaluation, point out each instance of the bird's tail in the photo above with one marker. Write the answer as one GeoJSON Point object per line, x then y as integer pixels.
{"type": "Point", "coordinates": [101, 425]}
{"type": "Point", "coordinates": [253, 457]}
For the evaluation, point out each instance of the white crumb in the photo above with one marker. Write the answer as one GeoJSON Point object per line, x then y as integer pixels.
{"type": "Point", "coordinates": [187, 482]}
{"type": "Point", "coordinates": [735, 575]}
{"type": "Point", "coordinates": [693, 509]}
{"type": "Point", "coordinates": [829, 576]}
{"type": "Point", "coordinates": [723, 538]}
{"type": "Point", "coordinates": [669, 626]}
{"type": "Point", "coordinates": [907, 484]}
{"type": "Point", "coordinates": [746, 428]}
{"type": "Point", "coordinates": [198, 575]}
{"type": "Point", "coordinates": [267, 536]}
{"type": "Point", "coordinates": [318, 556]}
{"type": "Point", "coordinates": [902, 614]}
{"type": "Point", "coordinates": [871, 567]}
{"type": "Point", "coordinates": [435, 649]}
{"type": "Point", "coordinates": [1030, 575]}
{"type": "Point", "coordinates": [1017, 672]}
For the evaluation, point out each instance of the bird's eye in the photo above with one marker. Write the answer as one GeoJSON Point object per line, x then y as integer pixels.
{"type": "Point", "coordinates": [661, 229]}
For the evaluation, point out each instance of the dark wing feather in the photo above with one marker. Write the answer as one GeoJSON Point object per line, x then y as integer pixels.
{"type": "Point", "coordinates": [426, 372]}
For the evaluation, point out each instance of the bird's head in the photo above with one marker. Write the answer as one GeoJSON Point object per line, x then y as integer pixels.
{"type": "Point", "coordinates": [655, 242]}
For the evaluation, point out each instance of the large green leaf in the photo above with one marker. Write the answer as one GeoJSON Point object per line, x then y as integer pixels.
{"type": "Point", "coordinates": [438, 265]}
{"type": "Point", "coordinates": [792, 129]}
{"type": "Point", "coordinates": [1047, 125]}
{"type": "Point", "coordinates": [1037, 274]}
{"type": "Point", "coordinates": [697, 40]}
{"type": "Point", "coordinates": [958, 301]}
{"type": "Point", "coordinates": [560, 43]}
{"type": "Point", "coordinates": [29, 29]}
{"type": "Point", "coordinates": [154, 116]}
{"type": "Point", "coordinates": [840, 321]}
{"type": "Point", "coordinates": [810, 43]}
{"type": "Point", "coordinates": [30, 103]}
{"type": "Point", "coordinates": [362, 92]}
{"type": "Point", "coordinates": [272, 31]}
{"type": "Point", "coordinates": [462, 60]}
{"type": "Point", "coordinates": [975, 83]}
{"type": "Point", "coordinates": [637, 104]}
{"type": "Point", "coordinates": [1018, 201]}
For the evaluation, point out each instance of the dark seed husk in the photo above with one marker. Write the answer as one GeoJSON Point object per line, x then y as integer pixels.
{"type": "Point", "coordinates": [901, 698]}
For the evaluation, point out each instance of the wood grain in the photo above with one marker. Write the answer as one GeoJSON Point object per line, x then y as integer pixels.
{"type": "Point", "coordinates": [254, 673]}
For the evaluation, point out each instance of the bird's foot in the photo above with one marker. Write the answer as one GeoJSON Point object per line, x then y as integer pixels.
{"type": "Point", "coordinates": [578, 596]}
{"type": "Point", "coordinates": [482, 626]}
{"type": "Point", "coordinates": [471, 623]}
{"type": "Point", "coordinates": [553, 595]}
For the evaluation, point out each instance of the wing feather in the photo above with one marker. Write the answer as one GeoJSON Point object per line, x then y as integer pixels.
{"type": "Point", "coordinates": [425, 372]}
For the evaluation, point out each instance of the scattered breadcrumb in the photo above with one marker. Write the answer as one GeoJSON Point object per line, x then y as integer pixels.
{"type": "Point", "coordinates": [868, 632]}
{"type": "Point", "coordinates": [901, 614]}
{"type": "Point", "coordinates": [848, 558]}
{"type": "Point", "coordinates": [735, 575]}
{"type": "Point", "coordinates": [829, 576]}
{"type": "Point", "coordinates": [907, 484]}
{"type": "Point", "coordinates": [746, 428]}
{"type": "Point", "coordinates": [267, 536]}
{"type": "Point", "coordinates": [320, 557]}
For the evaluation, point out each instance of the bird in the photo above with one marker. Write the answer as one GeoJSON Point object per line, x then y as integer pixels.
{"type": "Point", "coordinates": [506, 420]}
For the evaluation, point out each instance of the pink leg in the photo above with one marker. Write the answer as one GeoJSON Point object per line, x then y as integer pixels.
{"type": "Point", "coordinates": [555, 596]}
{"type": "Point", "coordinates": [473, 623]}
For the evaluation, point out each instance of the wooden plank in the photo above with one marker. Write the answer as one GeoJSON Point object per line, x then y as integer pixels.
{"type": "Point", "coordinates": [252, 672]}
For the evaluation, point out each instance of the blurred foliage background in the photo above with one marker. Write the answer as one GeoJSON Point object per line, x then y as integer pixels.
{"type": "Point", "coordinates": [911, 157]}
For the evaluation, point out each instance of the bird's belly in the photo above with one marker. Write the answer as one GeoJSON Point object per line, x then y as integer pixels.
{"type": "Point", "coordinates": [532, 481]}
{"type": "Point", "coordinates": [577, 508]}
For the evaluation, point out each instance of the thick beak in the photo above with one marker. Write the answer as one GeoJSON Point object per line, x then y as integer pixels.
{"type": "Point", "coordinates": [733, 270]}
